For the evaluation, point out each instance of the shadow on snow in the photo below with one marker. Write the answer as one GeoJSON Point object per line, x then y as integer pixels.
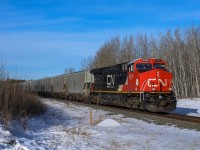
{"type": "Point", "coordinates": [185, 111]}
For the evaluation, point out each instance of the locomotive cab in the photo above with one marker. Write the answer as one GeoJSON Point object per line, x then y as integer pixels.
{"type": "Point", "coordinates": [155, 85]}
{"type": "Point", "coordinates": [148, 75]}
{"type": "Point", "coordinates": [151, 82]}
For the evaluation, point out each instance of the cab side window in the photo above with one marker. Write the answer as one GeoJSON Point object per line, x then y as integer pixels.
{"type": "Point", "coordinates": [131, 68]}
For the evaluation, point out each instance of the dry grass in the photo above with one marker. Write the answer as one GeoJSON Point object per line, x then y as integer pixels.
{"type": "Point", "coordinates": [14, 103]}
{"type": "Point", "coordinates": [115, 145]}
{"type": "Point", "coordinates": [77, 132]}
{"type": "Point", "coordinates": [96, 121]}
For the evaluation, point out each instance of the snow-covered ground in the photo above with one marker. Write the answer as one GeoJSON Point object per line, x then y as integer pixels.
{"type": "Point", "coordinates": [189, 107]}
{"type": "Point", "coordinates": [66, 126]}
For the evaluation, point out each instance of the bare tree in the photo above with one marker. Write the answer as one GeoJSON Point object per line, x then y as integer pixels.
{"type": "Point", "coordinates": [3, 71]}
{"type": "Point", "coordinates": [127, 51]}
{"type": "Point", "coordinates": [69, 70]}
{"type": "Point", "coordinates": [108, 53]}
{"type": "Point", "coordinates": [87, 63]}
{"type": "Point", "coordinates": [142, 45]}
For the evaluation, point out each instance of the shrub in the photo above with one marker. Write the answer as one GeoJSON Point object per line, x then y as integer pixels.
{"type": "Point", "coordinates": [14, 102]}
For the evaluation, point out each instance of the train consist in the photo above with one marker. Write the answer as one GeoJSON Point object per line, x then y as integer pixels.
{"type": "Point", "coordinates": [143, 84]}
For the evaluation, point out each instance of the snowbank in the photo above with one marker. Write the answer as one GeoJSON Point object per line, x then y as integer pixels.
{"type": "Point", "coordinates": [108, 123]}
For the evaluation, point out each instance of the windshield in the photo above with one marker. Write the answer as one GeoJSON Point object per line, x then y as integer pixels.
{"type": "Point", "coordinates": [144, 67]}
{"type": "Point", "coordinates": [159, 66]}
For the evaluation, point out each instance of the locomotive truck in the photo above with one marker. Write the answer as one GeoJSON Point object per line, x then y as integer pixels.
{"type": "Point", "coordinates": [143, 84]}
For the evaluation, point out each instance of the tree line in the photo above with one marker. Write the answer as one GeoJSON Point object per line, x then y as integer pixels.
{"type": "Point", "coordinates": [180, 48]}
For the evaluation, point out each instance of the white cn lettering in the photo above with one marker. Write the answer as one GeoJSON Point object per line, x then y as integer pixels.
{"type": "Point", "coordinates": [150, 84]}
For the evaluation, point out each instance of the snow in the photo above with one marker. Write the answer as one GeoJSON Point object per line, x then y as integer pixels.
{"type": "Point", "coordinates": [108, 123]}
{"type": "Point", "coordinates": [189, 107]}
{"type": "Point", "coordinates": [8, 141]}
{"type": "Point", "coordinates": [67, 126]}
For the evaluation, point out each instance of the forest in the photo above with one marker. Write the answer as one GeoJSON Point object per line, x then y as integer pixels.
{"type": "Point", "coordinates": [180, 48]}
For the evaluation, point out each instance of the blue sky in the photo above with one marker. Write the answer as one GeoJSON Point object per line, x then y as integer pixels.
{"type": "Point", "coordinates": [41, 38]}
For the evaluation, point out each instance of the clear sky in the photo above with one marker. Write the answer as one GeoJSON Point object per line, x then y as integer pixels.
{"type": "Point", "coordinates": [41, 38]}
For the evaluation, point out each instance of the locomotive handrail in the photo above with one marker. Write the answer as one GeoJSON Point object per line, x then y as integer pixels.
{"type": "Point", "coordinates": [142, 89]}
{"type": "Point", "coordinates": [173, 86]}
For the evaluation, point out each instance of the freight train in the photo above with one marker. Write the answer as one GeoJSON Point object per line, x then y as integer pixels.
{"type": "Point", "coordinates": [143, 84]}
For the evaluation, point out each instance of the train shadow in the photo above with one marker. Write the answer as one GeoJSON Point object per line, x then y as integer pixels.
{"type": "Point", "coordinates": [185, 111]}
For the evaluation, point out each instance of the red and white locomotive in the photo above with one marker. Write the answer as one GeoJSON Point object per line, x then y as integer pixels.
{"type": "Point", "coordinates": [143, 84]}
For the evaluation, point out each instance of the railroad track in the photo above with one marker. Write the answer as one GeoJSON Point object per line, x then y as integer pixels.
{"type": "Point", "coordinates": [192, 119]}
{"type": "Point", "coordinates": [185, 118]}
{"type": "Point", "coordinates": [174, 116]}
{"type": "Point", "coordinates": [182, 121]}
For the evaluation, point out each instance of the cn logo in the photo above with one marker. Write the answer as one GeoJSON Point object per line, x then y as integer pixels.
{"type": "Point", "coordinates": [151, 83]}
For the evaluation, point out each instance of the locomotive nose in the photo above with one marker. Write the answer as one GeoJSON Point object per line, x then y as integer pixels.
{"type": "Point", "coordinates": [157, 80]}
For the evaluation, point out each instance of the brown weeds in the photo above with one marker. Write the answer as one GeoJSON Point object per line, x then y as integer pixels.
{"type": "Point", "coordinates": [14, 102]}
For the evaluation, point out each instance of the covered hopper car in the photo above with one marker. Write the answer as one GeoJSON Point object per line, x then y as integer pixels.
{"type": "Point", "coordinates": [69, 86]}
